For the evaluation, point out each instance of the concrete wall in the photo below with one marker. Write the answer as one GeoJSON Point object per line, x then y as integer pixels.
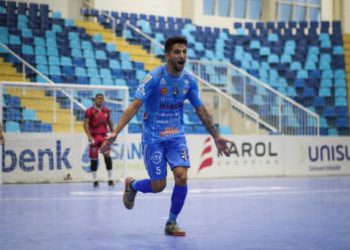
{"type": "Point", "coordinates": [331, 10]}
{"type": "Point", "coordinates": [346, 16]}
{"type": "Point", "coordinates": [68, 8]}
{"type": "Point", "coordinates": [157, 7]}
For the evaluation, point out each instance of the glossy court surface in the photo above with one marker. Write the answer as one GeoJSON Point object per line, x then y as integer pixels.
{"type": "Point", "coordinates": [271, 213]}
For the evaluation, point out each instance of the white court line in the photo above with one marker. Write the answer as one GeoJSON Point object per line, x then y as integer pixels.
{"type": "Point", "coordinates": [199, 193]}
{"type": "Point", "coordinates": [221, 193]}
{"type": "Point", "coordinates": [190, 191]}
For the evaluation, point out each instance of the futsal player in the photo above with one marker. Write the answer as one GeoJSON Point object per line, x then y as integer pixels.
{"type": "Point", "coordinates": [163, 91]}
{"type": "Point", "coordinates": [96, 124]}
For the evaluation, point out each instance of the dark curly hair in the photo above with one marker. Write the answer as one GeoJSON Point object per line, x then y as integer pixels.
{"type": "Point", "coordinates": [174, 40]}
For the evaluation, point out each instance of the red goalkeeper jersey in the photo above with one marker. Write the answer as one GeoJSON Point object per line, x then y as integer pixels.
{"type": "Point", "coordinates": [98, 120]}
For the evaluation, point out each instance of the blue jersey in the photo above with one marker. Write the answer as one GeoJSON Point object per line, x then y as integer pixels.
{"type": "Point", "coordinates": [164, 96]}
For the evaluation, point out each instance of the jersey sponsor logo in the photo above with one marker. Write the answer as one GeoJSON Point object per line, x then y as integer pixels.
{"type": "Point", "coordinates": [156, 157]}
{"type": "Point", "coordinates": [163, 121]}
{"type": "Point", "coordinates": [184, 152]}
{"type": "Point", "coordinates": [162, 81]}
{"type": "Point", "coordinates": [164, 91]}
{"type": "Point", "coordinates": [184, 155]}
{"type": "Point", "coordinates": [147, 78]}
{"type": "Point", "coordinates": [184, 91]}
{"type": "Point", "coordinates": [141, 89]}
{"type": "Point", "coordinates": [169, 131]}
{"type": "Point", "coordinates": [172, 114]}
{"type": "Point", "coordinates": [175, 91]}
{"type": "Point", "coordinates": [171, 105]}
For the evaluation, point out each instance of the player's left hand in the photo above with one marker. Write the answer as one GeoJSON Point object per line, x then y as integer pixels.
{"type": "Point", "coordinates": [106, 146]}
{"type": "Point", "coordinates": [221, 144]}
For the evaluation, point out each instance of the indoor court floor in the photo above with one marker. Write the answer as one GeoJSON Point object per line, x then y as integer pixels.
{"type": "Point", "coordinates": [262, 213]}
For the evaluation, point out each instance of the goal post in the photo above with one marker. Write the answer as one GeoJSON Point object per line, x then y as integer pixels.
{"type": "Point", "coordinates": [44, 135]}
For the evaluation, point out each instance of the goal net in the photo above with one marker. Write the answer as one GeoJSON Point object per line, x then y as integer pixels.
{"type": "Point", "coordinates": [44, 134]}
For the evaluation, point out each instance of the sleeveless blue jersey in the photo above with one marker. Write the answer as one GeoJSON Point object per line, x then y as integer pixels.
{"type": "Point", "coordinates": [163, 97]}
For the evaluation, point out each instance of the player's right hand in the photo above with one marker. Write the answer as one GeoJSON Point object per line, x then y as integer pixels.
{"type": "Point", "coordinates": [106, 146]}
{"type": "Point", "coordinates": [91, 141]}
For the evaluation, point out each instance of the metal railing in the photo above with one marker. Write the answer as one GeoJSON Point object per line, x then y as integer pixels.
{"type": "Point", "coordinates": [154, 43]}
{"type": "Point", "coordinates": [274, 108]}
{"type": "Point", "coordinates": [276, 111]}
{"type": "Point", "coordinates": [26, 64]}
{"type": "Point", "coordinates": [58, 87]}
{"type": "Point", "coordinates": [242, 108]}
{"type": "Point", "coordinates": [73, 89]}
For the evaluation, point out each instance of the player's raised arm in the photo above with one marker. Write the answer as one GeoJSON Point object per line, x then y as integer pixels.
{"type": "Point", "coordinates": [221, 143]}
{"type": "Point", "coordinates": [126, 117]}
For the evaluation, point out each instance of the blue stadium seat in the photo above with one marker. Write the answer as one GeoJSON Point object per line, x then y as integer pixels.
{"type": "Point", "coordinates": [80, 72]}
{"type": "Point", "coordinates": [29, 126]}
{"type": "Point", "coordinates": [55, 70]}
{"type": "Point", "coordinates": [296, 64]}
{"type": "Point", "coordinates": [29, 115]}
{"type": "Point", "coordinates": [90, 63]}
{"type": "Point", "coordinates": [342, 123]}
{"type": "Point", "coordinates": [12, 127]}
{"type": "Point", "coordinates": [86, 45]}
{"type": "Point", "coordinates": [66, 61]}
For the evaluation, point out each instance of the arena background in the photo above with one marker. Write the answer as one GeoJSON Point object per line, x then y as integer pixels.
{"type": "Point", "coordinates": [226, 73]}
{"type": "Point", "coordinates": [274, 74]}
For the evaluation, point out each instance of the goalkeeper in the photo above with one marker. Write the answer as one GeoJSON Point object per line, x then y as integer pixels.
{"type": "Point", "coordinates": [96, 124]}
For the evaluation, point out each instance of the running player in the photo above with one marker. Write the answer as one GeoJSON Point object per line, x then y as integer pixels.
{"type": "Point", "coordinates": [163, 91]}
{"type": "Point", "coordinates": [96, 124]}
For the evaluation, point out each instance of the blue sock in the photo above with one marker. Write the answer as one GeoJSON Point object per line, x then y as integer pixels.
{"type": "Point", "coordinates": [143, 186]}
{"type": "Point", "coordinates": [177, 201]}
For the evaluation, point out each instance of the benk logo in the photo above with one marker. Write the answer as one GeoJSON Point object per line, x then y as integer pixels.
{"type": "Point", "coordinates": [28, 160]}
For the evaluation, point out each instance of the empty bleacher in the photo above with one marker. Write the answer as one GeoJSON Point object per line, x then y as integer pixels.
{"type": "Point", "coordinates": [304, 61]}
{"type": "Point", "coordinates": [68, 52]}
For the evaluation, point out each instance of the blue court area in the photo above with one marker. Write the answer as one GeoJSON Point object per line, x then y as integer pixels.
{"type": "Point", "coordinates": [274, 213]}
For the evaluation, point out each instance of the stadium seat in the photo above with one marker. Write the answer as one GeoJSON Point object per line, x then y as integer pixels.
{"type": "Point", "coordinates": [12, 127]}
{"type": "Point", "coordinates": [296, 58]}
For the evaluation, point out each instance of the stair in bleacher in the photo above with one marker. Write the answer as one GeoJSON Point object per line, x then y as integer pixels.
{"type": "Point", "coordinates": [37, 100]}
{"type": "Point", "coordinates": [302, 60]}
{"type": "Point", "coordinates": [28, 110]}
{"type": "Point", "coordinates": [136, 52]}
{"type": "Point", "coordinates": [9, 73]}
{"type": "Point", "coordinates": [44, 106]}
{"type": "Point", "coordinates": [288, 58]}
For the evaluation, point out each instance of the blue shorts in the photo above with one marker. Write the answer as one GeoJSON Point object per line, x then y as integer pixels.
{"type": "Point", "coordinates": [156, 156]}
